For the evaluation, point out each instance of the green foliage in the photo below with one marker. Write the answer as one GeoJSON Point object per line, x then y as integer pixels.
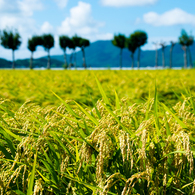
{"type": "Point", "coordinates": [119, 41]}
{"type": "Point", "coordinates": [84, 43]}
{"type": "Point", "coordinates": [48, 41]}
{"type": "Point", "coordinates": [131, 43]}
{"type": "Point", "coordinates": [185, 39]}
{"type": "Point", "coordinates": [140, 37]}
{"type": "Point", "coordinates": [64, 42]}
{"type": "Point", "coordinates": [76, 40]}
{"type": "Point", "coordinates": [10, 39]}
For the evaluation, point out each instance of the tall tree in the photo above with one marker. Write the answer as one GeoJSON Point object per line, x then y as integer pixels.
{"type": "Point", "coordinates": [131, 46]}
{"type": "Point", "coordinates": [48, 43]}
{"type": "Point", "coordinates": [141, 39]}
{"type": "Point", "coordinates": [83, 44]}
{"type": "Point", "coordinates": [32, 44]}
{"type": "Point", "coordinates": [71, 46]}
{"type": "Point", "coordinates": [64, 43]}
{"type": "Point", "coordinates": [119, 41]}
{"type": "Point", "coordinates": [163, 45]}
{"type": "Point", "coordinates": [156, 57]}
{"type": "Point", "coordinates": [190, 42]}
{"type": "Point", "coordinates": [11, 40]}
{"type": "Point", "coordinates": [171, 53]}
{"type": "Point", "coordinates": [185, 40]}
{"type": "Point", "coordinates": [76, 41]}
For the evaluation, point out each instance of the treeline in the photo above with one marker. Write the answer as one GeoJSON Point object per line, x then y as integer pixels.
{"type": "Point", "coordinates": [12, 40]}
{"type": "Point", "coordinates": [139, 38]}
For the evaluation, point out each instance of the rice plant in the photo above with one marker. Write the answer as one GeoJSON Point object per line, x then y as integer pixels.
{"type": "Point", "coordinates": [115, 146]}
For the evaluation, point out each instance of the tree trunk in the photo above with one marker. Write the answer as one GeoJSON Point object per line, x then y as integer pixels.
{"type": "Point", "coordinates": [84, 61]}
{"type": "Point", "coordinates": [156, 60]}
{"type": "Point", "coordinates": [75, 59]}
{"type": "Point", "coordinates": [185, 56]}
{"type": "Point", "coordinates": [171, 52]}
{"type": "Point", "coordinates": [132, 60]}
{"type": "Point", "coordinates": [70, 63]}
{"type": "Point", "coordinates": [31, 61]}
{"type": "Point", "coordinates": [163, 57]}
{"type": "Point", "coordinates": [121, 52]}
{"type": "Point", "coordinates": [65, 60]}
{"type": "Point", "coordinates": [138, 57]}
{"type": "Point", "coordinates": [13, 60]}
{"type": "Point", "coordinates": [48, 62]}
{"type": "Point", "coordinates": [190, 57]}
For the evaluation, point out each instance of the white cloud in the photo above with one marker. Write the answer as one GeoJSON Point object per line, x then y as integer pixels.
{"type": "Point", "coordinates": [18, 14]}
{"type": "Point", "coordinates": [121, 3]}
{"type": "Point", "coordinates": [61, 3]}
{"type": "Point", "coordinates": [28, 6]}
{"type": "Point", "coordinates": [80, 21]}
{"type": "Point", "coordinates": [169, 18]}
{"type": "Point", "coordinates": [46, 27]}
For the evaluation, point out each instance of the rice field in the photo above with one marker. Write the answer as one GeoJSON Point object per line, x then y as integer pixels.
{"type": "Point", "coordinates": [97, 132]}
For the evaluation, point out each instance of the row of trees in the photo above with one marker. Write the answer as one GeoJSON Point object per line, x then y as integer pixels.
{"type": "Point", "coordinates": [12, 40]}
{"type": "Point", "coordinates": [135, 41]}
{"type": "Point", "coordinates": [139, 38]}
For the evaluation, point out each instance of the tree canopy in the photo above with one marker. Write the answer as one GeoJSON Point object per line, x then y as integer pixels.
{"type": "Point", "coordinates": [119, 41]}
{"type": "Point", "coordinates": [64, 42]}
{"type": "Point", "coordinates": [11, 40]}
{"type": "Point", "coordinates": [48, 41]}
{"type": "Point", "coordinates": [185, 39]}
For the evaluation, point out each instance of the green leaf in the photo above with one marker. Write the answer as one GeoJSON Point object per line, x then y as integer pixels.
{"type": "Point", "coordinates": [31, 182]}
{"type": "Point", "coordinates": [156, 112]}
{"type": "Point", "coordinates": [10, 133]}
{"type": "Point", "coordinates": [167, 124]}
{"type": "Point", "coordinates": [5, 152]}
{"type": "Point", "coordinates": [67, 106]}
{"type": "Point", "coordinates": [63, 146]}
{"type": "Point", "coordinates": [87, 114]}
{"type": "Point", "coordinates": [51, 171]}
{"type": "Point", "coordinates": [116, 118]}
{"type": "Point", "coordinates": [117, 102]}
{"type": "Point", "coordinates": [102, 91]}
{"type": "Point", "coordinates": [176, 118]}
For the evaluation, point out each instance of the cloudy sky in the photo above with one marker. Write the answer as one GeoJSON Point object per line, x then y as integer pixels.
{"type": "Point", "coordinates": [95, 20]}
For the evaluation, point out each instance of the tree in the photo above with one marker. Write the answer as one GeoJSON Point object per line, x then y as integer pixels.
{"type": "Point", "coordinates": [71, 46]}
{"type": "Point", "coordinates": [156, 58]}
{"type": "Point", "coordinates": [131, 46]}
{"type": "Point", "coordinates": [64, 43]}
{"type": "Point", "coordinates": [171, 53]}
{"type": "Point", "coordinates": [141, 39]}
{"type": "Point", "coordinates": [119, 41]}
{"type": "Point", "coordinates": [83, 44]}
{"type": "Point", "coordinates": [11, 40]}
{"type": "Point", "coordinates": [185, 40]}
{"type": "Point", "coordinates": [76, 40]}
{"type": "Point", "coordinates": [32, 44]}
{"type": "Point", "coordinates": [163, 45]}
{"type": "Point", "coordinates": [48, 43]}
{"type": "Point", "coordinates": [190, 42]}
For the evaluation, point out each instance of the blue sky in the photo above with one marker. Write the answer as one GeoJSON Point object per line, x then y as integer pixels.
{"type": "Point", "coordinates": [95, 20]}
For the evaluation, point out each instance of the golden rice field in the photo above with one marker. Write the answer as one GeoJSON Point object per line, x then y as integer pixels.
{"type": "Point", "coordinates": [97, 132]}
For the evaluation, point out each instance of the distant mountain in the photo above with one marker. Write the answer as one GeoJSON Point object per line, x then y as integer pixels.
{"type": "Point", "coordinates": [37, 63]}
{"type": "Point", "coordinates": [104, 54]}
